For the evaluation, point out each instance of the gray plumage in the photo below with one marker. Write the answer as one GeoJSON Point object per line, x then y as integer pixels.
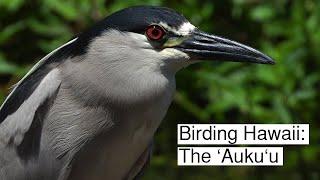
{"type": "Point", "coordinates": [91, 105]}
{"type": "Point", "coordinates": [89, 110]}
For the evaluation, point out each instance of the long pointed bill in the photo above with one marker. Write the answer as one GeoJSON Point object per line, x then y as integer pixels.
{"type": "Point", "coordinates": [203, 46]}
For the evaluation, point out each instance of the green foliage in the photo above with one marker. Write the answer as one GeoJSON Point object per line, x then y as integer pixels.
{"type": "Point", "coordinates": [287, 92]}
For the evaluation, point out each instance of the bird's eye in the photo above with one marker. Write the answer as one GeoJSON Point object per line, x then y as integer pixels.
{"type": "Point", "coordinates": [155, 32]}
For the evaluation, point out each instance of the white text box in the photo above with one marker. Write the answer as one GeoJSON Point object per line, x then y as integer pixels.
{"type": "Point", "coordinates": [231, 134]}
{"type": "Point", "coordinates": [230, 156]}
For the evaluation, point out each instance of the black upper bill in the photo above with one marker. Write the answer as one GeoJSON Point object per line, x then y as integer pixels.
{"type": "Point", "coordinates": [204, 46]}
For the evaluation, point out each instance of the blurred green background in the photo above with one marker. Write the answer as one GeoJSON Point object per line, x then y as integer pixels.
{"type": "Point", "coordinates": [287, 30]}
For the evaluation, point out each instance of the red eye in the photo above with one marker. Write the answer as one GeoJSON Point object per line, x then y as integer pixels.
{"type": "Point", "coordinates": [155, 32]}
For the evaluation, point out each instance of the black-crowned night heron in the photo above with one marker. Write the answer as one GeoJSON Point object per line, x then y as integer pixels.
{"type": "Point", "coordinates": [89, 109]}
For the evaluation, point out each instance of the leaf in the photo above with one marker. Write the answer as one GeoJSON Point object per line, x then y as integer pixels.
{"type": "Point", "coordinates": [11, 5]}
{"type": "Point", "coordinates": [262, 13]}
{"type": "Point", "coordinates": [67, 9]}
{"type": "Point", "coordinates": [6, 67]}
{"type": "Point", "coordinates": [8, 31]}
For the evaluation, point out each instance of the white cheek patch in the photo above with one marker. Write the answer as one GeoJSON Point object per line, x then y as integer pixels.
{"type": "Point", "coordinates": [184, 30]}
{"type": "Point", "coordinates": [171, 53]}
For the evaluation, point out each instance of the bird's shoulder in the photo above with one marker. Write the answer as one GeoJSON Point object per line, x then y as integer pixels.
{"type": "Point", "coordinates": [24, 109]}
{"type": "Point", "coordinates": [29, 83]}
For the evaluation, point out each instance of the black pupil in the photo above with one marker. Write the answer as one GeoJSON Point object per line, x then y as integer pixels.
{"type": "Point", "coordinates": [156, 32]}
